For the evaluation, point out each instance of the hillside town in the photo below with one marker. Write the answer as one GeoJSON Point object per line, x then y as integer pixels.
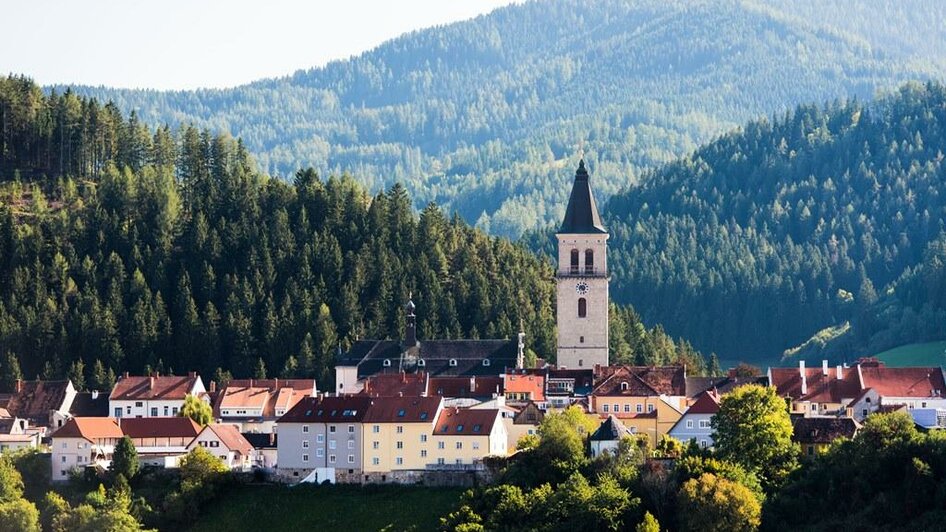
{"type": "Point", "coordinates": [436, 411]}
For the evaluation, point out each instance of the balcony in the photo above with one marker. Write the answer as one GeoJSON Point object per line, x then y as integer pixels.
{"type": "Point", "coordinates": [588, 271]}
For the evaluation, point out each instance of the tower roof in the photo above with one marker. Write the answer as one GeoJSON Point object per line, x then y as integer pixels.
{"type": "Point", "coordinates": [581, 216]}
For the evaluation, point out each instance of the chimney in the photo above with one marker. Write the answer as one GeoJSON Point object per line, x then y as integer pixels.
{"type": "Point", "coordinates": [251, 382]}
{"type": "Point", "coordinates": [95, 395]}
{"type": "Point", "coordinates": [410, 329]}
{"type": "Point", "coordinates": [276, 384]}
{"type": "Point", "coordinates": [213, 386]}
{"type": "Point", "coordinates": [824, 368]}
{"type": "Point", "coordinates": [151, 382]}
{"type": "Point", "coordinates": [192, 374]}
{"type": "Point", "coordinates": [125, 375]}
{"type": "Point", "coordinates": [19, 386]}
{"type": "Point", "coordinates": [472, 385]}
{"type": "Point", "coordinates": [839, 372]}
{"type": "Point", "coordinates": [804, 378]}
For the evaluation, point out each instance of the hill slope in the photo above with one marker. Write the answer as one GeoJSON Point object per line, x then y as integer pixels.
{"type": "Point", "coordinates": [485, 116]}
{"type": "Point", "coordinates": [764, 237]}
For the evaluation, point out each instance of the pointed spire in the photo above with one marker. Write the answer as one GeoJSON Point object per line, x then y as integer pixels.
{"type": "Point", "coordinates": [581, 215]}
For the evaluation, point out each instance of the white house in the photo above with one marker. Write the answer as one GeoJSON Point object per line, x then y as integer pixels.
{"type": "Point", "coordinates": [83, 442]}
{"type": "Point", "coordinates": [154, 396]}
{"type": "Point", "coordinates": [608, 436]}
{"type": "Point", "coordinates": [226, 443]}
{"type": "Point", "coordinates": [696, 421]}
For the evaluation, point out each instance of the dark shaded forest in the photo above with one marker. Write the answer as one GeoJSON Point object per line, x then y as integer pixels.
{"type": "Point", "coordinates": [485, 116]}
{"type": "Point", "coordinates": [127, 248]}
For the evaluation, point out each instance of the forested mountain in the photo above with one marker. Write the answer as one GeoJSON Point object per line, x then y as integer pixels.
{"type": "Point", "coordinates": [125, 248]}
{"type": "Point", "coordinates": [771, 233]}
{"type": "Point", "coordinates": [485, 116]}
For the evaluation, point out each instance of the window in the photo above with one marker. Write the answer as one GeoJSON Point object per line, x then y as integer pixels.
{"type": "Point", "coordinates": [320, 452]}
{"type": "Point", "coordinates": [441, 445]}
{"type": "Point", "coordinates": [375, 445]}
{"type": "Point", "coordinates": [703, 443]}
{"type": "Point", "coordinates": [440, 461]}
{"type": "Point", "coordinates": [589, 261]}
{"type": "Point", "coordinates": [811, 450]}
{"type": "Point", "coordinates": [689, 423]}
{"type": "Point", "coordinates": [331, 428]}
{"type": "Point", "coordinates": [376, 429]}
{"type": "Point", "coordinates": [459, 461]}
{"type": "Point", "coordinates": [581, 362]}
{"type": "Point", "coordinates": [166, 411]}
{"type": "Point", "coordinates": [423, 438]}
{"type": "Point", "coordinates": [331, 458]}
{"type": "Point", "coordinates": [582, 307]}
{"type": "Point", "coordinates": [704, 424]}
{"type": "Point", "coordinates": [351, 444]}
{"type": "Point", "coordinates": [139, 404]}
{"type": "Point", "coordinates": [640, 408]}
{"type": "Point", "coordinates": [305, 458]}
{"type": "Point", "coordinates": [305, 444]}
{"type": "Point", "coordinates": [574, 261]}
{"type": "Point", "coordinates": [486, 362]}
{"type": "Point", "coordinates": [174, 411]}
{"type": "Point", "coordinates": [617, 407]}
{"type": "Point", "coordinates": [305, 429]}
{"type": "Point", "coordinates": [627, 407]}
{"type": "Point", "coordinates": [351, 429]}
{"type": "Point", "coordinates": [459, 445]}
{"type": "Point", "coordinates": [64, 458]}
{"type": "Point", "coordinates": [604, 408]}
{"type": "Point", "coordinates": [351, 459]}
{"type": "Point", "coordinates": [128, 410]}
{"type": "Point", "coordinates": [386, 363]}
{"type": "Point", "coordinates": [864, 412]}
{"type": "Point", "coordinates": [399, 429]}
{"type": "Point", "coordinates": [399, 445]}
{"type": "Point", "coordinates": [421, 362]}
{"type": "Point", "coordinates": [476, 445]}
{"type": "Point", "coordinates": [401, 413]}
{"type": "Point", "coordinates": [923, 404]}
{"type": "Point", "coordinates": [399, 460]}
{"type": "Point", "coordinates": [453, 362]}
{"type": "Point", "coordinates": [460, 428]}
{"type": "Point", "coordinates": [331, 444]}
{"type": "Point", "coordinates": [423, 453]}
{"type": "Point", "coordinates": [624, 386]}
{"type": "Point", "coordinates": [375, 461]}
{"type": "Point", "coordinates": [814, 407]}
{"type": "Point", "coordinates": [320, 438]}
{"type": "Point", "coordinates": [118, 412]}
{"type": "Point", "coordinates": [650, 408]}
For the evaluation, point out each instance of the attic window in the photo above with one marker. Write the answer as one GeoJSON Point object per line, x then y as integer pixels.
{"type": "Point", "coordinates": [486, 362]}
{"type": "Point", "coordinates": [423, 415]}
{"type": "Point", "coordinates": [459, 428]}
{"type": "Point", "coordinates": [477, 428]}
{"type": "Point", "coordinates": [401, 412]}
{"type": "Point", "coordinates": [386, 363]}
{"type": "Point", "coordinates": [445, 428]}
{"type": "Point", "coordinates": [453, 362]}
{"type": "Point", "coordinates": [623, 386]}
{"type": "Point", "coordinates": [308, 413]}
{"type": "Point", "coordinates": [421, 362]}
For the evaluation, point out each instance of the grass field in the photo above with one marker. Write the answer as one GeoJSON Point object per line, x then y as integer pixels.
{"type": "Point", "coordinates": [928, 354]}
{"type": "Point", "coordinates": [347, 508]}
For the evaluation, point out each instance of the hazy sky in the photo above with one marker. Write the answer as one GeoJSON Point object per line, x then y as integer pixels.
{"type": "Point", "coordinates": [183, 44]}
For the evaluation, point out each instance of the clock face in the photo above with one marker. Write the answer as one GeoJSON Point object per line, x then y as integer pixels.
{"type": "Point", "coordinates": [581, 288]}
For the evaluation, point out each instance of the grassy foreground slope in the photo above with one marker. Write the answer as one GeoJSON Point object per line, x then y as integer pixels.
{"type": "Point", "coordinates": [924, 354]}
{"type": "Point", "coordinates": [274, 508]}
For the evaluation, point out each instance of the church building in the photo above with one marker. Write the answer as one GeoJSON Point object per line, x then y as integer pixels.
{"type": "Point", "coordinates": [582, 279]}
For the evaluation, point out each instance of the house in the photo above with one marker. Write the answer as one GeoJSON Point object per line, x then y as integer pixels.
{"type": "Point", "coordinates": [265, 450]}
{"type": "Point", "coordinates": [15, 433]}
{"type": "Point", "coordinates": [83, 442]}
{"type": "Point", "coordinates": [42, 403]}
{"type": "Point", "coordinates": [721, 385]}
{"type": "Point", "coordinates": [438, 358]}
{"type": "Point", "coordinates": [648, 400]}
{"type": "Point", "coordinates": [322, 436]}
{"type": "Point", "coordinates": [464, 436]}
{"type": "Point", "coordinates": [816, 433]}
{"type": "Point", "coordinates": [817, 391]}
{"type": "Point", "coordinates": [523, 387]}
{"type": "Point", "coordinates": [928, 419]}
{"type": "Point", "coordinates": [608, 436]}
{"type": "Point", "coordinates": [696, 421]}
{"type": "Point", "coordinates": [226, 443]}
{"type": "Point", "coordinates": [399, 436]}
{"type": "Point", "coordinates": [456, 390]}
{"type": "Point", "coordinates": [255, 404]}
{"type": "Point", "coordinates": [153, 396]}
{"type": "Point", "coordinates": [916, 387]}
{"type": "Point", "coordinates": [160, 441]}
{"type": "Point", "coordinates": [397, 384]}
{"type": "Point", "coordinates": [565, 386]}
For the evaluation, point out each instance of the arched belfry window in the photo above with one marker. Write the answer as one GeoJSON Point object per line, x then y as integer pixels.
{"type": "Point", "coordinates": [589, 261]}
{"type": "Point", "coordinates": [582, 307]}
{"type": "Point", "coordinates": [574, 261]}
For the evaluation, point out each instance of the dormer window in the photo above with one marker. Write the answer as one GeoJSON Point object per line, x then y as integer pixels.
{"type": "Point", "coordinates": [421, 362]}
{"type": "Point", "coordinates": [453, 362]}
{"type": "Point", "coordinates": [386, 363]}
{"type": "Point", "coordinates": [486, 362]}
{"type": "Point", "coordinates": [623, 386]}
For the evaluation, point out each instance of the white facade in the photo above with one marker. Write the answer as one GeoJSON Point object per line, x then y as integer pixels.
{"type": "Point", "coordinates": [582, 300]}
{"type": "Point", "coordinates": [209, 440]}
{"type": "Point", "coordinates": [346, 379]}
{"type": "Point", "coordinates": [77, 453]}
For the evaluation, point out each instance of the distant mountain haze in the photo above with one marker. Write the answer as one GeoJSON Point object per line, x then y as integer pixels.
{"type": "Point", "coordinates": [485, 116]}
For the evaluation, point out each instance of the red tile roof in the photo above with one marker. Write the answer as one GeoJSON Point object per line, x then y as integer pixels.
{"type": "Point", "coordinates": [396, 384]}
{"type": "Point", "coordinates": [90, 428]}
{"type": "Point", "coordinates": [159, 427]}
{"type": "Point", "coordinates": [534, 385]}
{"type": "Point", "coordinates": [268, 395]}
{"type": "Point", "coordinates": [230, 437]}
{"type": "Point", "coordinates": [403, 410]}
{"type": "Point", "coordinates": [823, 429]}
{"type": "Point", "coordinates": [454, 387]}
{"type": "Point", "coordinates": [349, 408]}
{"type": "Point", "coordinates": [821, 388]}
{"type": "Point", "coordinates": [34, 400]}
{"type": "Point", "coordinates": [706, 403]}
{"type": "Point", "coordinates": [904, 382]}
{"type": "Point", "coordinates": [132, 388]}
{"type": "Point", "coordinates": [465, 422]}
{"type": "Point", "coordinates": [640, 381]}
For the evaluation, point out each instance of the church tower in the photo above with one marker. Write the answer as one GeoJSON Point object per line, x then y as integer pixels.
{"type": "Point", "coordinates": [582, 280]}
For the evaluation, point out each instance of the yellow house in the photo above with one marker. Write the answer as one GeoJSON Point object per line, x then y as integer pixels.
{"type": "Point", "coordinates": [398, 435]}
{"type": "Point", "coordinates": [647, 400]}
{"type": "Point", "coordinates": [816, 434]}
{"type": "Point", "coordinates": [463, 437]}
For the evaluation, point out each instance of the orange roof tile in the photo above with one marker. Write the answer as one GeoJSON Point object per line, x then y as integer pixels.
{"type": "Point", "coordinates": [904, 382]}
{"type": "Point", "coordinates": [466, 421]}
{"type": "Point", "coordinates": [166, 387]}
{"type": "Point", "coordinates": [534, 385]}
{"type": "Point", "coordinates": [90, 428]}
{"type": "Point", "coordinates": [159, 427]}
{"type": "Point", "coordinates": [230, 437]}
{"type": "Point", "coordinates": [821, 388]}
